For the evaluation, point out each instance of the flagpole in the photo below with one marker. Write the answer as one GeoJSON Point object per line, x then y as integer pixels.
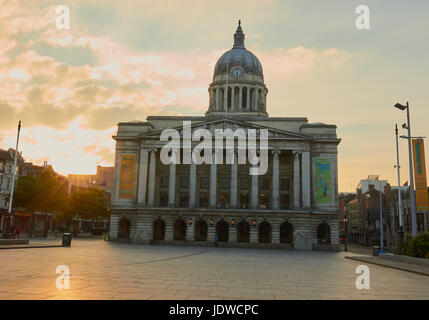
{"type": "Point", "coordinates": [13, 174]}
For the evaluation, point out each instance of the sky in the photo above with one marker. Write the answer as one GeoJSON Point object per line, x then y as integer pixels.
{"type": "Point", "coordinates": [125, 60]}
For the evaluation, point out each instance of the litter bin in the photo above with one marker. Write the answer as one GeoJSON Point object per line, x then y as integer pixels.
{"type": "Point", "coordinates": [375, 250]}
{"type": "Point", "coordinates": [67, 238]}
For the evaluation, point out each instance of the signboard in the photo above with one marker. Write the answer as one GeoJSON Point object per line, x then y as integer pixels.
{"type": "Point", "coordinates": [420, 174]}
{"type": "Point", "coordinates": [323, 180]}
{"type": "Point", "coordinates": [127, 176]}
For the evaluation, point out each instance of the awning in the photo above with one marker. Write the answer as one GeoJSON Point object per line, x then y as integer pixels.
{"type": "Point", "coordinates": [23, 214]}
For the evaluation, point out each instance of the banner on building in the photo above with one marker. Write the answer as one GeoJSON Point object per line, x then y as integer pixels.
{"type": "Point", "coordinates": [323, 180]}
{"type": "Point", "coordinates": [420, 175]}
{"type": "Point", "coordinates": [127, 176]}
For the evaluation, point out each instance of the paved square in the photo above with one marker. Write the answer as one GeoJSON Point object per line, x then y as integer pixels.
{"type": "Point", "coordinates": [103, 270]}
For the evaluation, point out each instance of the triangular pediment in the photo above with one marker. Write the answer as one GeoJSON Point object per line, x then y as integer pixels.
{"type": "Point", "coordinates": [224, 124]}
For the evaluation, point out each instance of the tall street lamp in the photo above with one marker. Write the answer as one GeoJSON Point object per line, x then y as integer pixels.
{"type": "Point", "coordinates": [346, 236]}
{"type": "Point", "coordinates": [401, 225]}
{"type": "Point", "coordinates": [412, 193]}
{"type": "Point", "coordinates": [381, 222]}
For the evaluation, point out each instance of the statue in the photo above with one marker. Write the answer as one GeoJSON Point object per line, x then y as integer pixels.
{"type": "Point", "coordinates": [212, 101]}
{"type": "Point", "coordinates": [261, 104]}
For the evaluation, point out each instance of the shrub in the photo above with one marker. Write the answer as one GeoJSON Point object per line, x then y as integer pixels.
{"type": "Point", "coordinates": [419, 246]}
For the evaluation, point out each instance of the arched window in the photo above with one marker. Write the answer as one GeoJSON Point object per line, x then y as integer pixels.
{"type": "Point", "coordinates": [264, 232]}
{"type": "Point", "coordinates": [180, 230]}
{"type": "Point", "coordinates": [201, 230]}
{"type": "Point", "coordinates": [323, 233]}
{"type": "Point", "coordinates": [222, 230]}
{"type": "Point", "coordinates": [243, 231]}
{"type": "Point", "coordinates": [159, 229]}
{"type": "Point", "coordinates": [286, 233]}
{"type": "Point", "coordinates": [124, 229]}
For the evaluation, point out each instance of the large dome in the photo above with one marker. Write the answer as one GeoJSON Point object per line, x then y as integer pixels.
{"type": "Point", "coordinates": [238, 86]}
{"type": "Point", "coordinates": [238, 56]}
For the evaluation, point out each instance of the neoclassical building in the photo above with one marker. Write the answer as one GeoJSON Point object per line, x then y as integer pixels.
{"type": "Point", "coordinates": [293, 205]}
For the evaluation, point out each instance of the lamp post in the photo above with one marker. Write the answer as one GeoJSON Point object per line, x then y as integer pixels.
{"type": "Point", "coordinates": [381, 222]}
{"type": "Point", "coordinates": [13, 177]}
{"type": "Point", "coordinates": [401, 225]}
{"type": "Point", "coordinates": [346, 233]}
{"type": "Point", "coordinates": [410, 156]}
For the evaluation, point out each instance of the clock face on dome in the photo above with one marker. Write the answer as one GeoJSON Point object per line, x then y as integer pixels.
{"type": "Point", "coordinates": [237, 72]}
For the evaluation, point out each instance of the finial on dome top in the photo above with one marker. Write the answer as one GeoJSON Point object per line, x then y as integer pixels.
{"type": "Point", "coordinates": [239, 37]}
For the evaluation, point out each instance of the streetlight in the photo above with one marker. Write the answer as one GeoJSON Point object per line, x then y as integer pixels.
{"type": "Point", "coordinates": [346, 236]}
{"type": "Point", "coordinates": [401, 225]}
{"type": "Point", "coordinates": [410, 156]}
{"type": "Point", "coordinates": [381, 222]}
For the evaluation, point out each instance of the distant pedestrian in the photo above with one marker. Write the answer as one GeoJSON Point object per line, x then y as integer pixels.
{"type": "Point", "coordinates": [12, 231]}
{"type": "Point", "coordinates": [17, 231]}
{"type": "Point", "coordinates": [216, 239]}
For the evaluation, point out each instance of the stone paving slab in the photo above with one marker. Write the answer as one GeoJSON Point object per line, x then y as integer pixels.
{"type": "Point", "coordinates": [105, 270]}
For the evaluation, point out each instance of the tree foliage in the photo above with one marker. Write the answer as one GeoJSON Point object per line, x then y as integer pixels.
{"type": "Point", "coordinates": [45, 193]}
{"type": "Point", "coordinates": [88, 203]}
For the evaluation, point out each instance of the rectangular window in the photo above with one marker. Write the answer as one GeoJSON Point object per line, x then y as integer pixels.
{"type": "Point", "coordinates": [224, 182]}
{"type": "Point", "coordinates": [285, 184]}
{"type": "Point", "coordinates": [204, 200]}
{"type": "Point", "coordinates": [265, 184]}
{"type": "Point", "coordinates": [244, 183]}
{"type": "Point", "coordinates": [184, 182]}
{"type": "Point", "coordinates": [244, 200]}
{"type": "Point", "coordinates": [224, 199]}
{"type": "Point", "coordinates": [204, 182]}
{"type": "Point", "coordinates": [163, 199]}
{"type": "Point", "coordinates": [284, 201]}
{"type": "Point", "coordinates": [184, 197]}
{"type": "Point", "coordinates": [264, 200]}
{"type": "Point", "coordinates": [164, 181]}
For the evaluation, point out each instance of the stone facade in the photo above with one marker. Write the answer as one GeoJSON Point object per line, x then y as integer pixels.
{"type": "Point", "coordinates": [290, 206]}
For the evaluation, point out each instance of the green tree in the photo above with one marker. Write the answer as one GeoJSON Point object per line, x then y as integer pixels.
{"type": "Point", "coordinates": [88, 203]}
{"type": "Point", "coordinates": [45, 193]}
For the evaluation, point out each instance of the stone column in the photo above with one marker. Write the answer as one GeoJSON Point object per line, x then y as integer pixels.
{"type": "Point", "coordinates": [255, 102]}
{"type": "Point", "coordinates": [306, 186]}
{"type": "Point", "coordinates": [255, 192]}
{"type": "Point", "coordinates": [152, 167]}
{"type": "Point", "coordinates": [213, 182]}
{"type": "Point", "coordinates": [276, 173]}
{"type": "Point", "coordinates": [248, 98]}
{"type": "Point", "coordinates": [225, 99]}
{"type": "Point", "coordinates": [217, 104]}
{"type": "Point", "coordinates": [144, 161]}
{"type": "Point", "coordinates": [296, 180]}
{"type": "Point", "coordinates": [234, 183]}
{"type": "Point", "coordinates": [172, 186]}
{"type": "Point", "coordinates": [240, 99]}
{"type": "Point", "coordinates": [192, 183]}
